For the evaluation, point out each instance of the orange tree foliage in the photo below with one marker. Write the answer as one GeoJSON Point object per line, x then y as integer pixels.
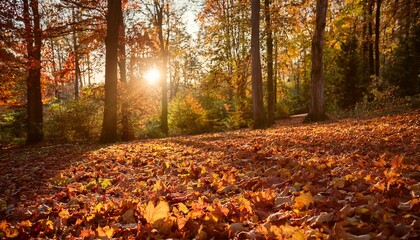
{"type": "Point", "coordinates": [351, 179]}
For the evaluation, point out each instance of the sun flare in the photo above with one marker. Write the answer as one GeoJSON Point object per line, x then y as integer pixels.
{"type": "Point", "coordinates": [152, 76]}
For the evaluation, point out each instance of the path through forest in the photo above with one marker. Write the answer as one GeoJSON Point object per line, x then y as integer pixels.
{"type": "Point", "coordinates": [349, 179]}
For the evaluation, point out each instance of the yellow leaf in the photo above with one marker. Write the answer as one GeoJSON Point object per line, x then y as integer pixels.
{"type": "Point", "coordinates": [152, 213]}
{"type": "Point", "coordinates": [211, 217]}
{"type": "Point", "coordinates": [276, 231]}
{"type": "Point", "coordinates": [105, 183]}
{"type": "Point", "coordinates": [99, 207]}
{"type": "Point", "coordinates": [90, 217]}
{"type": "Point", "coordinates": [49, 224]}
{"type": "Point", "coordinates": [167, 164]}
{"type": "Point", "coordinates": [183, 208]}
{"type": "Point", "coordinates": [105, 233]}
{"type": "Point", "coordinates": [305, 199]}
{"type": "Point", "coordinates": [181, 221]}
{"type": "Point", "coordinates": [64, 214]}
{"type": "Point", "coordinates": [362, 210]}
{"type": "Point", "coordinates": [158, 185]}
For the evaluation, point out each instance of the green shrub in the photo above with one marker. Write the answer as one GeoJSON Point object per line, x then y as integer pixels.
{"type": "Point", "coordinates": [216, 112]}
{"type": "Point", "coordinates": [151, 129]}
{"type": "Point", "coordinates": [73, 120]}
{"type": "Point", "coordinates": [187, 116]}
{"type": "Point", "coordinates": [387, 102]}
{"type": "Point", "coordinates": [282, 110]}
{"type": "Point", "coordinates": [12, 125]}
{"type": "Point", "coordinates": [239, 114]}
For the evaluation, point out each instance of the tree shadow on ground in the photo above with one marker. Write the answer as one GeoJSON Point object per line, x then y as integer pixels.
{"type": "Point", "coordinates": [27, 173]}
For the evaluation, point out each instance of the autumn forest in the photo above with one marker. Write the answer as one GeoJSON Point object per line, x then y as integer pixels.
{"type": "Point", "coordinates": [210, 119]}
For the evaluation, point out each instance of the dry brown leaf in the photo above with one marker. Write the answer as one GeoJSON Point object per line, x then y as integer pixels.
{"type": "Point", "coordinates": [338, 232]}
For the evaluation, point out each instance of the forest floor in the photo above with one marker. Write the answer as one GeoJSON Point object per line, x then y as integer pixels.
{"type": "Point", "coordinates": [344, 179]}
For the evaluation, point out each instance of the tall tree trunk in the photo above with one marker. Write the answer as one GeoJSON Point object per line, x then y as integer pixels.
{"type": "Point", "coordinates": [163, 60]}
{"type": "Point", "coordinates": [88, 68]}
{"type": "Point", "coordinates": [370, 38]}
{"type": "Point", "coordinates": [76, 57]}
{"type": "Point", "coordinates": [54, 69]}
{"type": "Point", "coordinates": [127, 132]}
{"type": "Point", "coordinates": [316, 107]}
{"type": "Point", "coordinates": [260, 119]}
{"type": "Point", "coordinates": [377, 30]}
{"type": "Point", "coordinates": [276, 71]}
{"type": "Point", "coordinates": [33, 39]}
{"type": "Point", "coordinates": [270, 84]}
{"type": "Point", "coordinates": [174, 80]}
{"type": "Point", "coordinates": [109, 126]}
{"type": "Point", "coordinates": [365, 47]}
{"type": "Point", "coordinates": [164, 117]}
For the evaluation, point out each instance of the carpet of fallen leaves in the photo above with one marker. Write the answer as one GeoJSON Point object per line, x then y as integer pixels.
{"type": "Point", "coordinates": [346, 179]}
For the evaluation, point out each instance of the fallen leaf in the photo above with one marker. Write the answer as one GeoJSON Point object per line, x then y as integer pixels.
{"type": "Point", "coordinates": [280, 202]}
{"type": "Point", "coordinates": [320, 219]}
{"type": "Point", "coordinates": [303, 200]}
{"type": "Point", "coordinates": [64, 214]}
{"type": "Point", "coordinates": [338, 232]}
{"type": "Point", "coordinates": [235, 228]}
{"type": "Point", "coordinates": [128, 216]}
{"type": "Point", "coordinates": [278, 217]}
{"type": "Point", "coordinates": [105, 233]}
{"type": "Point", "coordinates": [183, 208]}
{"type": "Point", "coordinates": [152, 213]}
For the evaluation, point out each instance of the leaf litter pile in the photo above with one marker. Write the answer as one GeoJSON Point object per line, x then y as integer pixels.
{"type": "Point", "coordinates": [350, 179]}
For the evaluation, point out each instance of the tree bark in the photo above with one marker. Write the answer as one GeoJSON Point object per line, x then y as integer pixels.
{"type": "Point", "coordinates": [127, 132]}
{"type": "Point", "coordinates": [76, 58]}
{"type": "Point", "coordinates": [316, 107]}
{"type": "Point", "coordinates": [370, 38]}
{"type": "Point", "coordinates": [54, 68]}
{"type": "Point", "coordinates": [270, 84]}
{"type": "Point", "coordinates": [164, 117]}
{"type": "Point", "coordinates": [33, 39]}
{"type": "Point", "coordinates": [109, 126]}
{"type": "Point", "coordinates": [163, 60]}
{"type": "Point", "coordinates": [377, 30]}
{"type": "Point", "coordinates": [276, 71]}
{"type": "Point", "coordinates": [260, 119]}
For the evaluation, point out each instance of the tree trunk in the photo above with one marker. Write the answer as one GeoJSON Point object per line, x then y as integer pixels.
{"type": "Point", "coordinates": [54, 69]}
{"type": "Point", "coordinates": [163, 61]}
{"type": "Point", "coordinates": [88, 68]}
{"type": "Point", "coordinates": [109, 126]}
{"type": "Point", "coordinates": [270, 84]}
{"type": "Point", "coordinates": [370, 38]}
{"type": "Point", "coordinates": [127, 132]}
{"type": "Point", "coordinates": [260, 119]}
{"type": "Point", "coordinates": [316, 107]}
{"type": "Point", "coordinates": [33, 39]}
{"type": "Point", "coordinates": [377, 25]}
{"type": "Point", "coordinates": [164, 117]}
{"type": "Point", "coordinates": [276, 71]}
{"type": "Point", "coordinates": [76, 58]}
{"type": "Point", "coordinates": [174, 80]}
